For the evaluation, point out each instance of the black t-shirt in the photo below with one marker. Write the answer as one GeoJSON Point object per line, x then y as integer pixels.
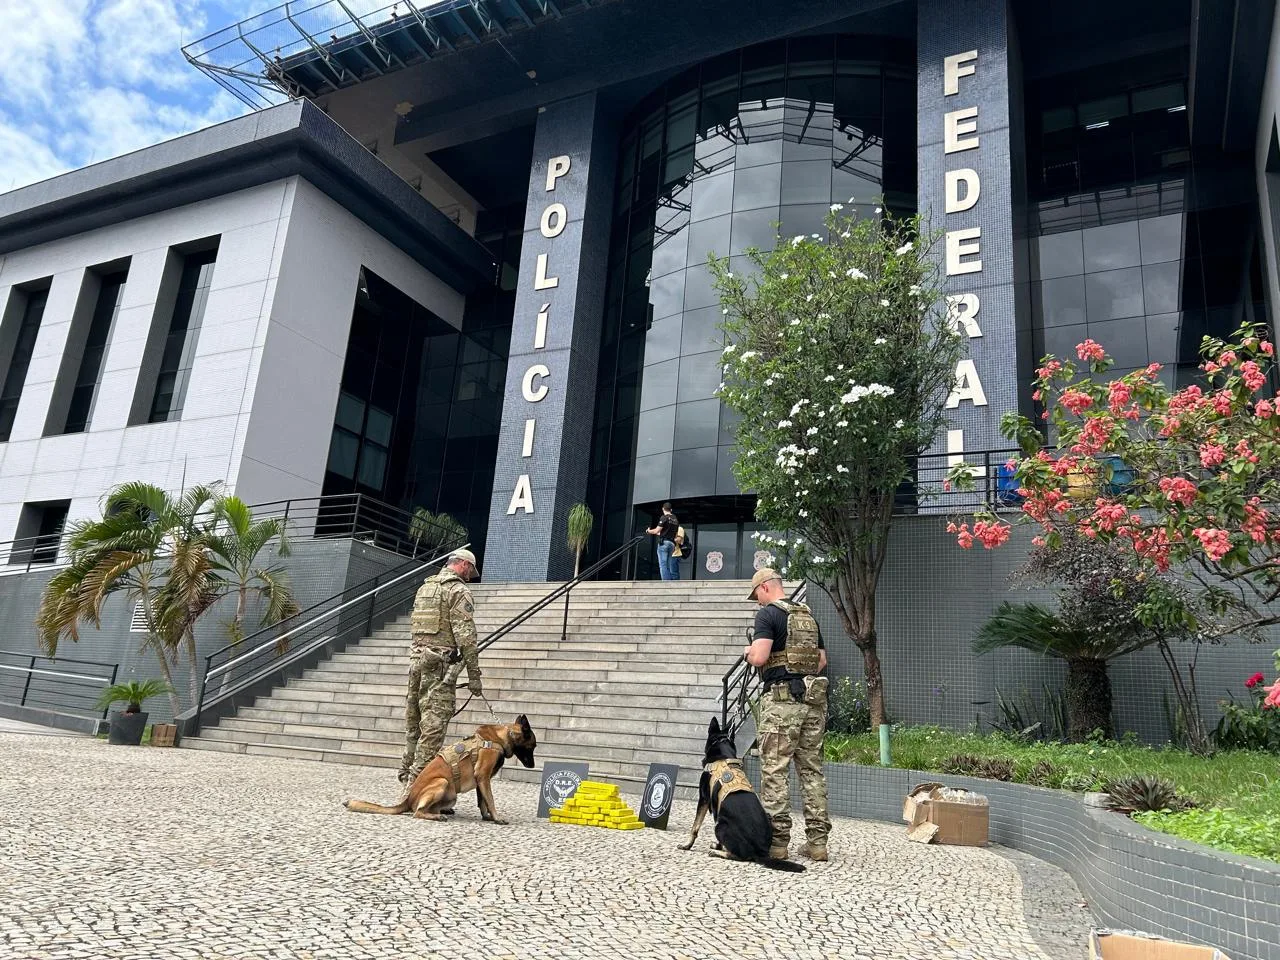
{"type": "Point", "coordinates": [667, 526]}
{"type": "Point", "coordinates": [771, 624]}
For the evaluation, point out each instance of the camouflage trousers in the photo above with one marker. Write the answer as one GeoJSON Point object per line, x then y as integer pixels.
{"type": "Point", "coordinates": [428, 708]}
{"type": "Point", "coordinates": [793, 731]}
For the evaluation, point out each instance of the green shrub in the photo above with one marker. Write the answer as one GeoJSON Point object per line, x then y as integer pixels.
{"type": "Point", "coordinates": [1250, 726]}
{"type": "Point", "coordinates": [1221, 828]}
{"type": "Point", "coordinates": [1143, 793]}
{"type": "Point", "coordinates": [848, 709]}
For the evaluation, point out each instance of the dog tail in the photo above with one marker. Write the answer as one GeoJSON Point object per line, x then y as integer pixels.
{"type": "Point", "coordinates": [364, 806]}
{"type": "Point", "coordinates": [775, 863]}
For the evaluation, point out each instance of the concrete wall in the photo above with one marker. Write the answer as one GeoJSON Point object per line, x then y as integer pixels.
{"type": "Point", "coordinates": [1133, 878]}
{"type": "Point", "coordinates": [317, 570]}
{"type": "Point", "coordinates": [934, 596]}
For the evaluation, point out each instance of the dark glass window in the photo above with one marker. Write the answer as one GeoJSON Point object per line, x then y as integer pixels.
{"type": "Point", "coordinates": [40, 527]}
{"type": "Point", "coordinates": [105, 310]}
{"type": "Point", "coordinates": [24, 346]}
{"type": "Point", "coordinates": [179, 350]}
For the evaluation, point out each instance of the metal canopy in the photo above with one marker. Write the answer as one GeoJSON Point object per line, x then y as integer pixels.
{"type": "Point", "coordinates": [307, 48]}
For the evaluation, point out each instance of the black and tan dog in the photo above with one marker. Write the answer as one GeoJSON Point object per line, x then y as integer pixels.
{"type": "Point", "coordinates": [743, 830]}
{"type": "Point", "coordinates": [465, 766]}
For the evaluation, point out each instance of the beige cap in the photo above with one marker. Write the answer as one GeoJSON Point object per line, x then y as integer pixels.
{"type": "Point", "coordinates": [465, 555]}
{"type": "Point", "coordinates": [763, 575]}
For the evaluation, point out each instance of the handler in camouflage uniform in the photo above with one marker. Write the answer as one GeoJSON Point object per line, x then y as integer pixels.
{"type": "Point", "coordinates": [444, 632]}
{"type": "Point", "coordinates": [787, 647]}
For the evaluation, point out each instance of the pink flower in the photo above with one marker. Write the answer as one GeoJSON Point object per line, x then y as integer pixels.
{"type": "Point", "coordinates": [1153, 369]}
{"type": "Point", "coordinates": [1264, 408]}
{"type": "Point", "coordinates": [1267, 348]}
{"type": "Point", "coordinates": [1254, 378]}
{"type": "Point", "coordinates": [1094, 436]}
{"type": "Point", "coordinates": [991, 535]}
{"type": "Point", "coordinates": [1243, 451]}
{"type": "Point", "coordinates": [963, 537]}
{"type": "Point", "coordinates": [1178, 489]}
{"type": "Point", "coordinates": [1222, 403]}
{"type": "Point", "coordinates": [1089, 350]}
{"type": "Point", "coordinates": [1253, 681]}
{"type": "Point", "coordinates": [1212, 454]}
{"type": "Point", "coordinates": [1038, 541]}
{"type": "Point", "coordinates": [1048, 370]}
{"type": "Point", "coordinates": [1216, 543]}
{"type": "Point", "coordinates": [1227, 358]}
{"type": "Point", "coordinates": [1108, 514]}
{"type": "Point", "coordinates": [1011, 464]}
{"type": "Point", "coordinates": [1076, 401]}
{"type": "Point", "coordinates": [1119, 394]}
{"type": "Point", "coordinates": [1210, 367]}
{"type": "Point", "coordinates": [1255, 523]}
{"type": "Point", "coordinates": [1035, 395]}
{"type": "Point", "coordinates": [1273, 691]}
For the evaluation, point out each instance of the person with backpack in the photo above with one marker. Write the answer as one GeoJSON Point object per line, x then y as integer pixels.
{"type": "Point", "coordinates": [787, 648]}
{"type": "Point", "coordinates": [665, 530]}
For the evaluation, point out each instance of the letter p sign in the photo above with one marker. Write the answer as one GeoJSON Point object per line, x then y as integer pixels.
{"type": "Point", "coordinates": [557, 167]}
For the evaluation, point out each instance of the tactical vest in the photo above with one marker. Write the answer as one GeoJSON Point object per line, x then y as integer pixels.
{"type": "Point", "coordinates": [431, 624]}
{"type": "Point", "coordinates": [463, 749]}
{"type": "Point", "coordinates": [727, 777]}
{"type": "Point", "coordinates": [800, 656]}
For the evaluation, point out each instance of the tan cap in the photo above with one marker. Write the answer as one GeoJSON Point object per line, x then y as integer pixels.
{"type": "Point", "coordinates": [466, 555]}
{"type": "Point", "coordinates": [763, 575]}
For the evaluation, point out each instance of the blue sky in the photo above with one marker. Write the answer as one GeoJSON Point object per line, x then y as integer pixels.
{"type": "Point", "coordinates": [86, 80]}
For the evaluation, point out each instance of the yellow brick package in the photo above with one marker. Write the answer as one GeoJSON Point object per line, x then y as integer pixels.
{"type": "Point", "coordinates": [596, 804]}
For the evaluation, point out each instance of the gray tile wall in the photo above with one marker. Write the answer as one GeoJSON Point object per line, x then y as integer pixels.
{"type": "Point", "coordinates": [1132, 878]}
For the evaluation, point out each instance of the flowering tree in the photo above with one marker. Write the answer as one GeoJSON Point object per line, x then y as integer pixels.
{"type": "Point", "coordinates": [839, 361]}
{"type": "Point", "coordinates": [1188, 480]}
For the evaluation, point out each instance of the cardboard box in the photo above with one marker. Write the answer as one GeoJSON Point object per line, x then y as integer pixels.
{"type": "Point", "coordinates": [1114, 945]}
{"type": "Point", "coordinates": [935, 814]}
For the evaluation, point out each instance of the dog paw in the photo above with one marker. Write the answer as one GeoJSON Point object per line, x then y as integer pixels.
{"type": "Point", "coordinates": [685, 846]}
{"type": "Point", "coordinates": [495, 820]}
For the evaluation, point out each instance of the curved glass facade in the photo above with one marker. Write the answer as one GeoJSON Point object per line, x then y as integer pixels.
{"type": "Point", "coordinates": [711, 162]}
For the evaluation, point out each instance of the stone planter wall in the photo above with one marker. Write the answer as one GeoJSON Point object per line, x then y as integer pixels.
{"type": "Point", "coordinates": [1132, 877]}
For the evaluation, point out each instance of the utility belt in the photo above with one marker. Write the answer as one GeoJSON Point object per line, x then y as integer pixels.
{"type": "Point", "coordinates": [811, 691]}
{"type": "Point", "coordinates": [442, 654]}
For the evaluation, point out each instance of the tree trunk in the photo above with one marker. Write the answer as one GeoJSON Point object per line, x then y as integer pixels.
{"type": "Point", "coordinates": [1088, 696]}
{"type": "Point", "coordinates": [577, 559]}
{"type": "Point", "coordinates": [167, 673]}
{"type": "Point", "coordinates": [195, 679]}
{"type": "Point", "coordinates": [874, 680]}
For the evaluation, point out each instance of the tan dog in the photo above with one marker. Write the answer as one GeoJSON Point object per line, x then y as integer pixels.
{"type": "Point", "coordinates": [465, 766]}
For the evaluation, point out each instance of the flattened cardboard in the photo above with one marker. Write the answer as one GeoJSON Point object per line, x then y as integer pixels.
{"type": "Point", "coordinates": [1110, 945]}
{"type": "Point", "coordinates": [909, 805]}
{"type": "Point", "coordinates": [923, 833]}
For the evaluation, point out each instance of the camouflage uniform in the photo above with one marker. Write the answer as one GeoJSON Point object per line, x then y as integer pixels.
{"type": "Point", "coordinates": [443, 621]}
{"type": "Point", "coordinates": [793, 730]}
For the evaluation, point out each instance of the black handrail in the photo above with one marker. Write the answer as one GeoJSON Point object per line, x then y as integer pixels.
{"type": "Point", "coordinates": [50, 688]}
{"type": "Point", "coordinates": [274, 650]}
{"type": "Point", "coordinates": [741, 683]}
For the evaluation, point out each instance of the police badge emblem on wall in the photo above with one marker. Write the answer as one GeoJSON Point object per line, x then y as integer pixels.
{"type": "Point", "coordinates": [659, 791]}
{"type": "Point", "coordinates": [559, 783]}
{"type": "Point", "coordinates": [715, 561]}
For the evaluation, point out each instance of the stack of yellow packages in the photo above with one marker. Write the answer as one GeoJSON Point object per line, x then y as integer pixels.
{"type": "Point", "coordinates": [597, 805]}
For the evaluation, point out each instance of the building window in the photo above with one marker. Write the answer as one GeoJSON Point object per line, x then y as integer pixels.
{"type": "Point", "coordinates": [72, 404]}
{"type": "Point", "coordinates": [179, 348]}
{"type": "Point", "coordinates": [27, 309]}
{"type": "Point", "coordinates": [40, 528]}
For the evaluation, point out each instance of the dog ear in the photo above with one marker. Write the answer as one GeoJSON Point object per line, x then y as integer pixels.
{"type": "Point", "coordinates": [713, 729]}
{"type": "Point", "coordinates": [523, 722]}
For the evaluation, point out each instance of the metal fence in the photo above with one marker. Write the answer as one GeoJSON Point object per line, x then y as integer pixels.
{"type": "Point", "coordinates": [58, 684]}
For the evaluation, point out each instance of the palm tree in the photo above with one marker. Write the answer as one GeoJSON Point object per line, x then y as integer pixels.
{"type": "Point", "coordinates": [235, 546]}
{"type": "Point", "coordinates": [1086, 653]}
{"type": "Point", "coordinates": [580, 523]}
{"type": "Point", "coordinates": [150, 546]}
{"type": "Point", "coordinates": [435, 529]}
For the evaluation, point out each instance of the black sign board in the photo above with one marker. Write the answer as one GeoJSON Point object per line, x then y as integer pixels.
{"type": "Point", "coordinates": [659, 791]}
{"type": "Point", "coordinates": [560, 779]}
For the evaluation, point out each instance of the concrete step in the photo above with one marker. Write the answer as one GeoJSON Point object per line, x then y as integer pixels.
{"type": "Point", "coordinates": [323, 701]}
{"type": "Point", "coordinates": [678, 685]}
{"type": "Point", "coordinates": [514, 668]}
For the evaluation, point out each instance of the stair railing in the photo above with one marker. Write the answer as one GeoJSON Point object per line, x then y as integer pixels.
{"type": "Point", "coordinates": [58, 684]}
{"type": "Point", "coordinates": [742, 684]}
{"type": "Point", "coordinates": [241, 671]}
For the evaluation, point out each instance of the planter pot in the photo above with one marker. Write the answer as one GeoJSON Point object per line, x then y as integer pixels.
{"type": "Point", "coordinates": [126, 728]}
{"type": "Point", "coordinates": [164, 734]}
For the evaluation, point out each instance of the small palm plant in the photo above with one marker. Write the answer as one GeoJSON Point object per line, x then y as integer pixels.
{"type": "Point", "coordinates": [580, 523]}
{"type": "Point", "coordinates": [132, 693]}
{"type": "Point", "coordinates": [434, 529]}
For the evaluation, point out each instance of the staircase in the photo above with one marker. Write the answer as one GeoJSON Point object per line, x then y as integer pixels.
{"type": "Point", "coordinates": [635, 682]}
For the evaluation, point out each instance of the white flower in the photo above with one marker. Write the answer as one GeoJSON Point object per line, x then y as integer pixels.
{"type": "Point", "coordinates": [914, 290]}
{"type": "Point", "coordinates": [898, 425]}
{"type": "Point", "coordinates": [814, 235]}
{"type": "Point", "coordinates": [796, 408]}
{"type": "Point", "coordinates": [880, 342]}
{"type": "Point", "coordinates": [855, 273]}
{"type": "Point", "coordinates": [840, 366]}
{"type": "Point", "coordinates": [808, 298]}
{"type": "Point", "coordinates": [797, 239]}
{"type": "Point", "coordinates": [784, 276]}
{"type": "Point", "coordinates": [812, 450]}
{"type": "Point", "coordinates": [769, 382]}
{"type": "Point", "coordinates": [879, 209]}
{"type": "Point", "coordinates": [725, 311]}
{"type": "Point", "coordinates": [811, 431]}
{"type": "Point", "coordinates": [749, 354]}
{"type": "Point", "coordinates": [906, 248]}
{"type": "Point", "coordinates": [836, 207]}
{"type": "Point", "coordinates": [721, 387]}
{"type": "Point", "coordinates": [730, 348]}
{"type": "Point", "coordinates": [784, 423]}
{"type": "Point", "coordinates": [846, 235]}
{"type": "Point", "coordinates": [853, 200]}
{"type": "Point", "coordinates": [804, 513]}
{"type": "Point", "coordinates": [841, 468]}
{"type": "Point", "coordinates": [795, 322]}
{"type": "Point", "coordinates": [828, 379]}
{"type": "Point", "coordinates": [842, 423]}
{"type": "Point", "coordinates": [884, 303]}
{"type": "Point", "coordinates": [857, 392]}
{"type": "Point", "coordinates": [729, 275]}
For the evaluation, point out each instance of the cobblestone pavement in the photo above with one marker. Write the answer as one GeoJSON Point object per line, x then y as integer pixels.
{"type": "Point", "coordinates": [120, 852]}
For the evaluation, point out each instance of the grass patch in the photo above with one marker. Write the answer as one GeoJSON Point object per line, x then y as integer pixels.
{"type": "Point", "coordinates": [1238, 791]}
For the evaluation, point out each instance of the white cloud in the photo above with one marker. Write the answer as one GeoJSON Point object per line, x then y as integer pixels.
{"type": "Point", "coordinates": [85, 80]}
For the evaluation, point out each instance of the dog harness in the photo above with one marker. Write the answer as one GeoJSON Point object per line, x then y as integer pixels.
{"type": "Point", "coordinates": [463, 749]}
{"type": "Point", "coordinates": [727, 777]}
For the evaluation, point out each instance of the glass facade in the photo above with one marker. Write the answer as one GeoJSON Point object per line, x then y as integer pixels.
{"type": "Point", "coordinates": [179, 352]}
{"type": "Point", "coordinates": [421, 401]}
{"type": "Point", "coordinates": [89, 371]}
{"type": "Point", "coordinates": [23, 347]}
{"type": "Point", "coordinates": [719, 160]}
{"type": "Point", "coordinates": [1138, 240]}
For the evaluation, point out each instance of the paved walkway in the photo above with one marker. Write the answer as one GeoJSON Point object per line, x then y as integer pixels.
{"type": "Point", "coordinates": [18, 726]}
{"type": "Point", "coordinates": [138, 852]}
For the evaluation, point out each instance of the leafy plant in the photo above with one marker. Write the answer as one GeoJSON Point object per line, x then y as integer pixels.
{"type": "Point", "coordinates": [848, 710]}
{"type": "Point", "coordinates": [1043, 774]}
{"type": "Point", "coordinates": [962, 765]}
{"type": "Point", "coordinates": [235, 546]}
{"type": "Point", "coordinates": [1142, 793]}
{"type": "Point", "coordinates": [840, 356]}
{"type": "Point", "coordinates": [579, 532]}
{"type": "Point", "coordinates": [132, 693]}
{"type": "Point", "coordinates": [434, 530]}
{"type": "Point", "coordinates": [1026, 719]}
{"type": "Point", "coordinates": [1224, 829]}
{"type": "Point", "coordinates": [1252, 725]}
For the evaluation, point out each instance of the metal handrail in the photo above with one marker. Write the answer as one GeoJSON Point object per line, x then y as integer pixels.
{"type": "Point", "coordinates": [59, 699]}
{"type": "Point", "coordinates": [369, 591]}
{"type": "Point", "coordinates": [561, 591]}
{"type": "Point", "coordinates": [741, 681]}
